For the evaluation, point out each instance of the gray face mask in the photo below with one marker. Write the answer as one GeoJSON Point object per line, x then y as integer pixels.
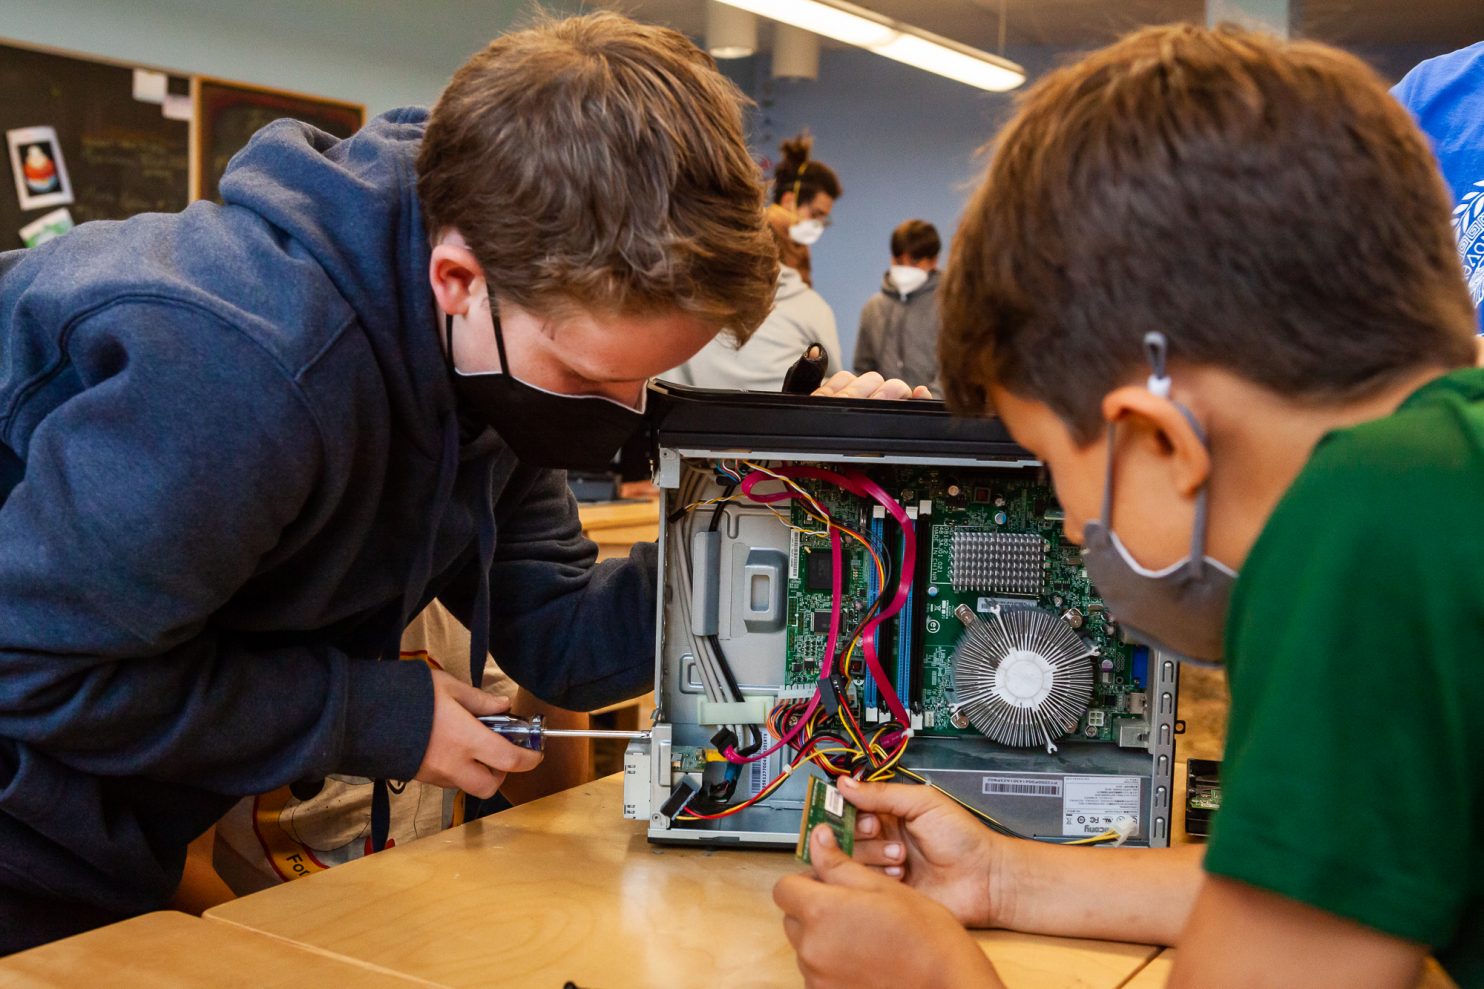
{"type": "Point", "coordinates": [1180, 610]}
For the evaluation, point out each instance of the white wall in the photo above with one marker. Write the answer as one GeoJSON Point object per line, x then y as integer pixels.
{"type": "Point", "coordinates": [383, 53]}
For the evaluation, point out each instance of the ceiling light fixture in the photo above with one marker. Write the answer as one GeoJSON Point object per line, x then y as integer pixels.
{"type": "Point", "coordinates": [795, 53]}
{"type": "Point", "coordinates": [904, 43]}
{"type": "Point", "coordinates": [730, 32]}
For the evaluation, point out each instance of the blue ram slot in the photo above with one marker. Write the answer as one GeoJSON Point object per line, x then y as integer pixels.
{"type": "Point", "coordinates": [904, 632]}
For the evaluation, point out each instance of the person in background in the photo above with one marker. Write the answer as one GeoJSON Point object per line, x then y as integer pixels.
{"type": "Point", "coordinates": [804, 193]}
{"type": "Point", "coordinates": [1446, 96]}
{"type": "Point", "coordinates": [899, 324]}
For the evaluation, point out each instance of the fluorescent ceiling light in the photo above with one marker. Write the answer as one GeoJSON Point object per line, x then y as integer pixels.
{"type": "Point", "coordinates": [904, 43]}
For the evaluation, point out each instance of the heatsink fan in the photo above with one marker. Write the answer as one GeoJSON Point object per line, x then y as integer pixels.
{"type": "Point", "coordinates": [1022, 676]}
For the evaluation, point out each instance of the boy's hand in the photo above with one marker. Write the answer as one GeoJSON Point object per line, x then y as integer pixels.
{"type": "Point", "coordinates": [917, 834]}
{"type": "Point", "coordinates": [461, 751]}
{"type": "Point", "coordinates": [843, 384]}
{"type": "Point", "coordinates": [854, 928]}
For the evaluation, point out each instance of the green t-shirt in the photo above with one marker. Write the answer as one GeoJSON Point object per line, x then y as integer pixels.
{"type": "Point", "coordinates": [1354, 772]}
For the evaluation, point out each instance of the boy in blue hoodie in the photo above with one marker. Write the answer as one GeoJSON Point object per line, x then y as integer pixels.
{"type": "Point", "coordinates": [1209, 280]}
{"type": "Point", "coordinates": [242, 445]}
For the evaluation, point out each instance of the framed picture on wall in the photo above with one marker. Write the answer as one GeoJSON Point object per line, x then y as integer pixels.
{"type": "Point", "coordinates": [40, 174]}
{"type": "Point", "coordinates": [228, 114]}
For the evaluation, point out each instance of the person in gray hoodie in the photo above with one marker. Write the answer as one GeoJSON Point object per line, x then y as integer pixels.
{"type": "Point", "coordinates": [899, 325]}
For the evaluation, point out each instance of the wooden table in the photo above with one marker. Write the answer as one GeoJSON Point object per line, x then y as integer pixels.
{"type": "Point", "coordinates": [617, 525]}
{"type": "Point", "coordinates": [162, 950]}
{"type": "Point", "coordinates": [564, 888]}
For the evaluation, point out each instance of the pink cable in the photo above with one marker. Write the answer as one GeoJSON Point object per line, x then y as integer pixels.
{"type": "Point", "coordinates": [858, 484]}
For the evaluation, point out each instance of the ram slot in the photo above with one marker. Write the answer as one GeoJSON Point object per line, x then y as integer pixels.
{"type": "Point", "coordinates": [877, 535]}
{"type": "Point", "coordinates": [918, 603]}
{"type": "Point", "coordinates": [904, 680]}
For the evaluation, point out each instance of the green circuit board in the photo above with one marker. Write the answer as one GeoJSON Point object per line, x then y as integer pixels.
{"type": "Point", "coordinates": [945, 502]}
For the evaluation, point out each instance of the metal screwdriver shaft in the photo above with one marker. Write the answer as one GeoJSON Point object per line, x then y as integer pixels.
{"type": "Point", "coordinates": [530, 733]}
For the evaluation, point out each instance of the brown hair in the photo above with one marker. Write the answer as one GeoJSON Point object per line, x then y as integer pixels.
{"type": "Point", "coordinates": [916, 240]}
{"type": "Point", "coordinates": [1266, 205]}
{"type": "Point", "coordinates": [599, 164]}
{"type": "Point", "coordinates": [800, 174]}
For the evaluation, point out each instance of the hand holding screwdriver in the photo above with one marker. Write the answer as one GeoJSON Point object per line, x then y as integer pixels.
{"type": "Point", "coordinates": [461, 753]}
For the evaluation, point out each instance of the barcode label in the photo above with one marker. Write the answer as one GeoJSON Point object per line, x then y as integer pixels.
{"type": "Point", "coordinates": [757, 772]}
{"type": "Point", "coordinates": [1021, 786]}
{"type": "Point", "coordinates": [834, 804]}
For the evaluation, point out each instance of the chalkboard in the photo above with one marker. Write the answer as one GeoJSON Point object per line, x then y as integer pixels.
{"type": "Point", "coordinates": [123, 155]}
{"type": "Point", "coordinates": [228, 114]}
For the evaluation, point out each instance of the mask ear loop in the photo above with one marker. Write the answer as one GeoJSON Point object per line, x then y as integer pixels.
{"type": "Point", "coordinates": [448, 344]}
{"type": "Point", "coordinates": [1156, 348]}
{"type": "Point", "coordinates": [499, 339]}
{"type": "Point", "coordinates": [798, 185]}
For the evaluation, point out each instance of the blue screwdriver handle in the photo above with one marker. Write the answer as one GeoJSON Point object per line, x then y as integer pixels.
{"type": "Point", "coordinates": [525, 733]}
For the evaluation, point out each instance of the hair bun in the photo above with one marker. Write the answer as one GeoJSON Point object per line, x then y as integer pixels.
{"type": "Point", "coordinates": [794, 152]}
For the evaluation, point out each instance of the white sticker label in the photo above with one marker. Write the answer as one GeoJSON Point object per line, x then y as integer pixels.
{"type": "Point", "coordinates": [1092, 803]}
{"type": "Point", "coordinates": [1021, 786]}
{"type": "Point", "coordinates": [834, 804]}
{"type": "Point", "coordinates": [760, 773]}
{"type": "Point", "coordinates": [793, 554]}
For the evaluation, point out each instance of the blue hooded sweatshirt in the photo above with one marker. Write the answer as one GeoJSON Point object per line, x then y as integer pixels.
{"type": "Point", "coordinates": [1446, 95]}
{"type": "Point", "coordinates": [231, 471]}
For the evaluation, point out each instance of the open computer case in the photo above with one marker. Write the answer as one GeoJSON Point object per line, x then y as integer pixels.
{"type": "Point", "coordinates": [880, 588]}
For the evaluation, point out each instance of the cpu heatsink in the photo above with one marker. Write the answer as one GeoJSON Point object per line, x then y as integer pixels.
{"type": "Point", "coordinates": [1022, 677]}
{"type": "Point", "coordinates": [998, 562]}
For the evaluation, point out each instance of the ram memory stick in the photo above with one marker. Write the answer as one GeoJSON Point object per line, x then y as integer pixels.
{"type": "Point", "coordinates": [823, 804]}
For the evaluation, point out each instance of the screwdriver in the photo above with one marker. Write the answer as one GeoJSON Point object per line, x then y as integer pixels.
{"type": "Point", "coordinates": [528, 733]}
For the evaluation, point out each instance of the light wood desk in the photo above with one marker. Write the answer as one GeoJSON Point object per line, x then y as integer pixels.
{"type": "Point", "coordinates": [617, 525]}
{"type": "Point", "coordinates": [164, 950]}
{"type": "Point", "coordinates": [564, 888]}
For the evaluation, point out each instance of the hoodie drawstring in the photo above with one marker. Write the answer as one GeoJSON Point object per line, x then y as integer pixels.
{"type": "Point", "coordinates": [417, 583]}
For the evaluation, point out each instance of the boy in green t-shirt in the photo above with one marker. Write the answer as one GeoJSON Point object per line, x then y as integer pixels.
{"type": "Point", "coordinates": [1210, 281]}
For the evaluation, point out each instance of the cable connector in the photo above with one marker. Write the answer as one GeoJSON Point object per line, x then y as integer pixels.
{"type": "Point", "coordinates": [724, 739]}
{"type": "Point", "coordinates": [827, 696]}
{"type": "Point", "coordinates": [1124, 826]}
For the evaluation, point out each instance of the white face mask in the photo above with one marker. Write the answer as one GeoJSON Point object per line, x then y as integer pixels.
{"type": "Point", "coordinates": [906, 278]}
{"type": "Point", "coordinates": [806, 232]}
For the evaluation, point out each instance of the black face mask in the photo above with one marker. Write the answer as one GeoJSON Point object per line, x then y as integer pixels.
{"type": "Point", "coordinates": [544, 428]}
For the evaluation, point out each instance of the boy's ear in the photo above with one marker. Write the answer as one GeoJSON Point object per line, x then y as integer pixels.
{"type": "Point", "coordinates": [1157, 421]}
{"type": "Point", "coordinates": [452, 271]}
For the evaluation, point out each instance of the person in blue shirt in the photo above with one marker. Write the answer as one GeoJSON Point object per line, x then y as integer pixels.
{"type": "Point", "coordinates": [1446, 96]}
